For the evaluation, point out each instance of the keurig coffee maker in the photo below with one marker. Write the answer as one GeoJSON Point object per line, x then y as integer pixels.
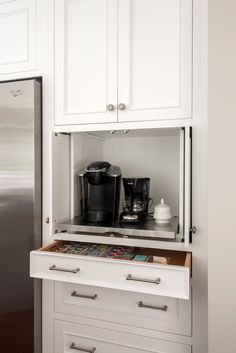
{"type": "Point", "coordinates": [100, 192]}
{"type": "Point", "coordinates": [135, 204]}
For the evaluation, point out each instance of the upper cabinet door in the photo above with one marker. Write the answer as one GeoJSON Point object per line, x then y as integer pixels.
{"type": "Point", "coordinates": [85, 61]}
{"type": "Point", "coordinates": [155, 59]}
{"type": "Point", "coordinates": [18, 31]}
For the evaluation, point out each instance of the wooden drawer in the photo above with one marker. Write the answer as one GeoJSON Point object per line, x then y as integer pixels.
{"type": "Point", "coordinates": [172, 280]}
{"type": "Point", "coordinates": [133, 309]}
{"type": "Point", "coordinates": [70, 337]}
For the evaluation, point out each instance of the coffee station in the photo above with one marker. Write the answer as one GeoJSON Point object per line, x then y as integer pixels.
{"type": "Point", "coordinates": [114, 195]}
{"type": "Point", "coordinates": [100, 205]}
{"type": "Point", "coordinates": [121, 266]}
{"type": "Point", "coordinates": [121, 250]}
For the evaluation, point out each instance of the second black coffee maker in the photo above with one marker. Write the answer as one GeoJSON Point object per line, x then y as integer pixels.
{"type": "Point", "coordinates": [136, 202]}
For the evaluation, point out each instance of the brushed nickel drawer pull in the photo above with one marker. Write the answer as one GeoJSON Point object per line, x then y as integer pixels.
{"type": "Point", "coordinates": [54, 268]}
{"type": "Point", "coordinates": [82, 349]}
{"type": "Point", "coordinates": [161, 308]}
{"type": "Point", "coordinates": [75, 294]}
{"type": "Point", "coordinates": [129, 277]}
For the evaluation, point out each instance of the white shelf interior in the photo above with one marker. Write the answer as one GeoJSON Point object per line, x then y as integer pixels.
{"type": "Point", "coordinates": [155, 153]}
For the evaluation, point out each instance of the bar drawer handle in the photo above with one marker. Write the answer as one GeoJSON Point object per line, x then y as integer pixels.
{"type": "Point", "coordinates": [129, 277]}
{"type": "Point", "coordinates": [75, 294]}
{"type": "Point", "coordinates": [161, 308]}
{"type": "Point", "coordinates": [54, 268]}
{"type": "Point", "coordinates": [82, 349]}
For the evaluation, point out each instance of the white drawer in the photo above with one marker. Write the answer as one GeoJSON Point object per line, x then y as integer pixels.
{"type": "Point", "coordinates": [128, 308]}
{"type": "Point", "coordinates": [172, 280]}
{"type": "Point", "coordinates": [70, 337]}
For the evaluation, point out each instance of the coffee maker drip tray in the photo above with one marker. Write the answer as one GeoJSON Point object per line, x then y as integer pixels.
{"type": "Point", "coordinates": [149, 229]}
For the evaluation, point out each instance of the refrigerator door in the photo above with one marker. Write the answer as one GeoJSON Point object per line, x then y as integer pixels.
{"type": "Point", "coordinates": [20, 214]}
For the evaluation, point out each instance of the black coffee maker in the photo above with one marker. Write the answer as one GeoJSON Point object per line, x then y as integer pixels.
{"type": "Point", "coordinates": [135, 204]}
{"type": "Point", "coordinates": [100, 192]}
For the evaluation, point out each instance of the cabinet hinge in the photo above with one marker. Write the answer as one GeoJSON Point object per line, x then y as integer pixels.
{"type": "Point", "coordinates": [193, 230]}
{"type": "Point", "coordinates": [47, 220]}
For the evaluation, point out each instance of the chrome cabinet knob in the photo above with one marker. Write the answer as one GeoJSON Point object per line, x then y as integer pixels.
{"type": "Point", "coordinates": [110, 107]}
{"type": "Point", "coordinates": [121, 106]}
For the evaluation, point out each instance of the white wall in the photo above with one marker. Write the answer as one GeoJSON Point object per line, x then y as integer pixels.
{"type": "Point", "coordinates": [153, 157]}
{"type": "Point", "coordinates": [222, 176]}
{"type": "Point", "coordinates": [199, 160]}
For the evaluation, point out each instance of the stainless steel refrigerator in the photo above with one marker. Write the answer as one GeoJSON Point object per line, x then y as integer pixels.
{"type": "Point", "coordinates": [20, 215]}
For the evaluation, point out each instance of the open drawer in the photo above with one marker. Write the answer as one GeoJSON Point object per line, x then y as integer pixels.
{"type": "Point", "coordinates": [168, 276]}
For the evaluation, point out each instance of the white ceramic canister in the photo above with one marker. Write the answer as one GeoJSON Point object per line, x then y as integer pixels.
{"type": "Point", "coordinates": [162, 213]}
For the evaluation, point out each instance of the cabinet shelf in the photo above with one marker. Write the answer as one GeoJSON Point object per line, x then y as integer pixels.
{"type": "Point", "coordinates": [147, 230]}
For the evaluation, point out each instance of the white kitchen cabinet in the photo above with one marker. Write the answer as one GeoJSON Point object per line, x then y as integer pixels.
{"type": "Point", "coordinates": [155, 59]}
{"type": "Point", "coordinates": [70, 337]}
{"type": "Point", "coordinates": [120, 285]}
{"type": "Point", "coordinates": [122, 61]}
{"type": "Point", "coordinates": [18, 32]}
{"type": "Point", "coordinates": [163, 154]}
{"type": "Point", "coordinates": [133, 309]}
{"type": "Point", "coordinates": [137, 152]}
{"type": "Point", "coordinates": [86, 61]}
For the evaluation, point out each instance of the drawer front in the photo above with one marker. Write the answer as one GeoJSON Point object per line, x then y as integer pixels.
{"type": "Point", "coordinates": [128, 308]}
{"type": "Point", "coordinates": [164, 280]}
{"type": "Point", "coordinates": [70, 337]}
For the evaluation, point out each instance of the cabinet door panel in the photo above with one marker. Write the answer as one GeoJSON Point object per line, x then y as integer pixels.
{"type": "Point", "coordinates": [17, 36]}
{"type": "Point", "coordinates": [155, 59]}
{"type": "Point", "coordinates": [124, 307]}
{"type": "Point", "coordinates": [86, 60]}
{"type": "Point", "coordinates": [71, 337]}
